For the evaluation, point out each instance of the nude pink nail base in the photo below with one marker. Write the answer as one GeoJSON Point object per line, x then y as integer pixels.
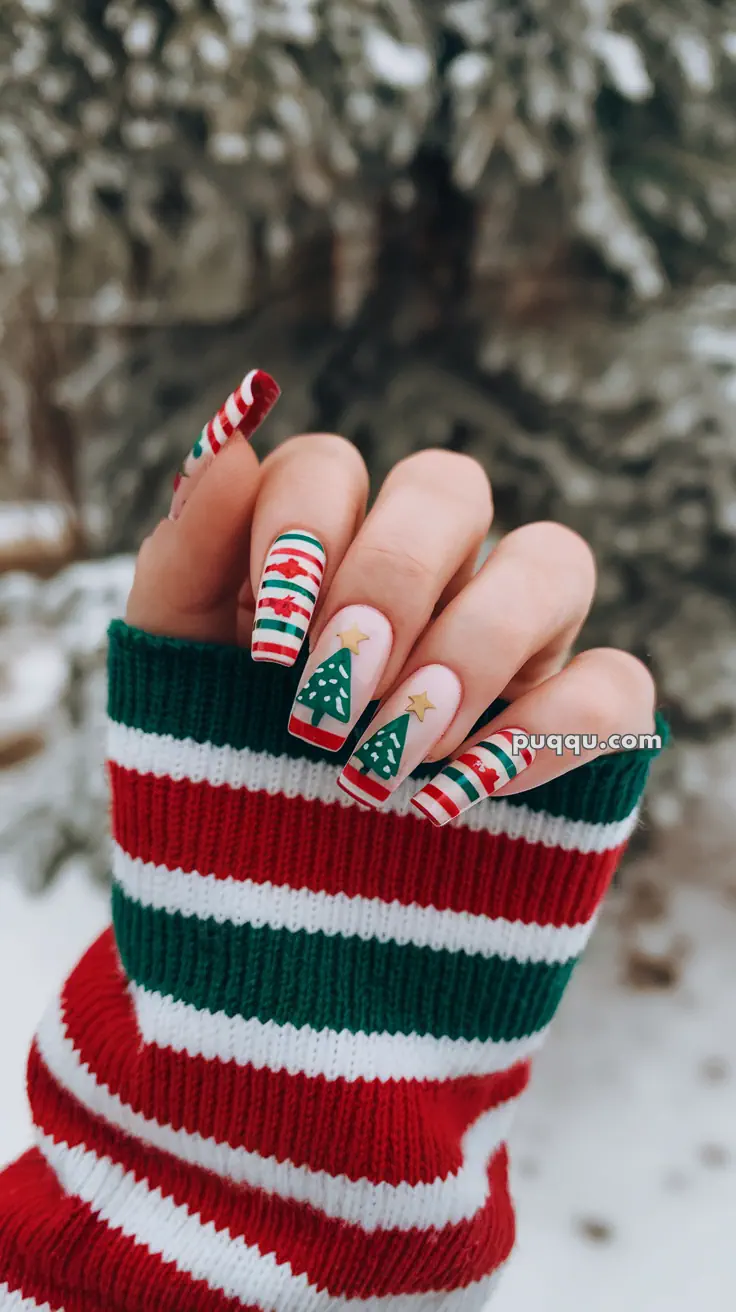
{"type": "Point", "coordinates": [341, 676]}
{"type": "Point", "coordinates": [477, 774]}
{"type": "Point", "coordinates": [401, 734]}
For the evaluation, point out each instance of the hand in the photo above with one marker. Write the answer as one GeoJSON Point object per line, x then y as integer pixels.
{"type": "Point", "coordinates": [395, 611]}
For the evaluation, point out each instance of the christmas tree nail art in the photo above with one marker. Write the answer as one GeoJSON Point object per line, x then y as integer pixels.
{"type": "Point", "coordinates": [341, 676]}
{"type": "Point", "coordinates": [404, 731]}
{"type": "Point", "coordinates": [327, 692]}
{"type": "Point", "coordinates": [383, 752]}
{"type": "Point", "coordinates": [478, 773]}
{"type": "Point", "coordinates": [290, 584]}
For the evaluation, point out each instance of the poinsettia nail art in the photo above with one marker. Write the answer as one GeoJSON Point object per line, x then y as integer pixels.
{"type": "Point", "coordinates": [288, 591]}
{"type": "Point", "coordinates": [341, 676]}
{"type": "Point", "coordinates": [402, 733]}
{"type": "Point", "coordinates": [478, 773]}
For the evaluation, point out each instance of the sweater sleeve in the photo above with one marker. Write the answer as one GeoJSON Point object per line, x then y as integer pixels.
{"type": "Point", "coordinates": [283, 1080]}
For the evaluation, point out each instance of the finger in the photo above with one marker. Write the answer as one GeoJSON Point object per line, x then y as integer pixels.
{"type": "Point", "coordinates": [431, 514]}
{"type": "Point", "coordinates": [188, 572]}
{"type": "Point", "coordinates": [313, 494]}
{"type": "Point", "coordinates": [529, 597]}
{"type": "Point", "coordinates": [603, 700]}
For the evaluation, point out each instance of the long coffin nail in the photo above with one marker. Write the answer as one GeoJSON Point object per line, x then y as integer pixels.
{"type": "Point", "coordinates": [341, 676]}
{"type": "Point", "coordinates": [243, 411]}
{"type": "Point", "coordinates": [402, 733]}
{"type": "Point", "coordinates": [290, 584]}
{"type": "Point", "coordinates": [478, 773]}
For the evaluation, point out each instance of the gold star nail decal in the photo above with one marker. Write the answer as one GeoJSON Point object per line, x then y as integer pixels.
{"type": "Point", "coordinates": [351, 637]}
{"type": "Point", "coordinates": [419, 704]}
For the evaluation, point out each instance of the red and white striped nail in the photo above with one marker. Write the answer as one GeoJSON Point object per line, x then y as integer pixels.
{"type": "Point", "coordinates": [402, 733]}
{"type": "Point", "coordinates": [242, 412]}
{"type": "Point", "coordinates": [478, 773]}
{"type": "Point", "coordinates": [287, 595]}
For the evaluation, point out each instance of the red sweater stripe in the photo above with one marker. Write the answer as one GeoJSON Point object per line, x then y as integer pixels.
{"type": "Point", "coordinates": [242, 835]}
{"type": "Point", "coordinates": [88, 1266]}
{"type": "Point", "coordinates": [343, 1258]}
{"type": "Point", "coordinates": [326, 1125]}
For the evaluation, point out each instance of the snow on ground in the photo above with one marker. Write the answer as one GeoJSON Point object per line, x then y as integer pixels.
{"type": "Point", "coordinates": [625, 1149]}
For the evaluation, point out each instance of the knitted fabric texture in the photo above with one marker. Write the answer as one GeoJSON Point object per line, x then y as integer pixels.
{"type": "Point", "coordinates": [282, 1082]}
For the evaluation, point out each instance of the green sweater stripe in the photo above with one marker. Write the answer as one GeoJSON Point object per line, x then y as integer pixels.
{"type": "Point", "coordinates": [217, 694]}
{"type": "Point", "coordinates": [328, 981]}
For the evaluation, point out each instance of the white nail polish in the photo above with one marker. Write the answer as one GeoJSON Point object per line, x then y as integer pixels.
{"type": "Point", "coordinates": [290, 584]}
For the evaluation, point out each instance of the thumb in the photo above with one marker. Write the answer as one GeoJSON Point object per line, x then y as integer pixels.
{"type": "Point", "coordinates": [189, 571]}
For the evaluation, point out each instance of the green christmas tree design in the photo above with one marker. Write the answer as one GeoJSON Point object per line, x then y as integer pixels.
{"type": "Point", "coordinates": [327, 691]}
{"type": "Point", "coordinates": [383, 751]}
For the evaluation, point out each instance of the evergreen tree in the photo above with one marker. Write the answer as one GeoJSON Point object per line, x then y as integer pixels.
{"type": "Point", "coordinates": [382, 752]}
{"type": "Point", "coordinates": [327, 691]}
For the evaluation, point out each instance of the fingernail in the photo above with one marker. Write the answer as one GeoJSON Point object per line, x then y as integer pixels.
{"type": "Point", "coordinates": [243, 411]}
{"type": "Point", "coordinates": [290, 584]}
{"type": "Point", "coordinates": [478, 773]}
{"type": "Point", "coordinates": [401, 734]}
{"type": "Point", "coordinates": [341, 676]}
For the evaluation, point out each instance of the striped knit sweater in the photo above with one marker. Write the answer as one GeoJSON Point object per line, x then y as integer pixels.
{"type": "Point", "coordinates": [283, 1080]}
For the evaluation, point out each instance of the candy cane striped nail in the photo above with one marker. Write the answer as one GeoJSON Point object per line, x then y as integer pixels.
{"type": "Point", "coordinates": [242, 413]}
{"type": "Point", "coordinates": [290, 584]}
{"type": "Point", "coordinates": [478, 773]}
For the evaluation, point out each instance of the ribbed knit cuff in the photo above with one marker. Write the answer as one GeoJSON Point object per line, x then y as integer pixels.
{"type": "Point", "coordinates": [219, 695]}
{"type": "Point", "coordinates": [327, 1015]}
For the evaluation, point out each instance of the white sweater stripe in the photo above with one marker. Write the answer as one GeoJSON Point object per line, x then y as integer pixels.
{"type": "Point", "coordinates": [13, 1300]}
{"type": "Point", "coordinates": [277, 906]}
{"type": "Point", "coordinates": [359, 1202]}
{"type": "Point", "coordinates": [170, 1023]}
{"type": "Point", "coordinates": [226, 1263]}
{"type": "Point", "coordinates": [184, 759]}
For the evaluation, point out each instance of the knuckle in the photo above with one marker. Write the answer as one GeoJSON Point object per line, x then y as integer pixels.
{"type": "Point", "coordinates": [335, 447]}
{"type": "Point", "coordinates": [618, 689]}
{"type": "Point", "coordinates": [453, 472]}
{"type": "Point", "coordinates": [558, 542]}
{"type": "Point", "coordinates": [327, 447]}
{"type": "Point", "coordinates": [394, 565]}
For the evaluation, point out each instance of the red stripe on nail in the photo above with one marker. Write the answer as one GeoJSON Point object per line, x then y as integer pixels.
{"type": "Point", "coordinates": [424, 811]}
{"type": "Point", "coordinates": [266, 393]}
{"type": "Point", "coordinates": [357, 797]}
{"type": "Point", "coordinates": [366, 785]}
{"type": "Point", "coordinates": [276, 649]}
{"type": "Point", "coordinates": [293, 608]}
{"type": "Point", "coordinates": [479, 771]}
{"type": "Point", "coordinates": [445, 802]}
{"type": "Point", "coordinates": [296, 551]}
{"type": "Point", "coordinates": [311, 733]}
{"type": "Point", "coordinates": [304, 574]}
